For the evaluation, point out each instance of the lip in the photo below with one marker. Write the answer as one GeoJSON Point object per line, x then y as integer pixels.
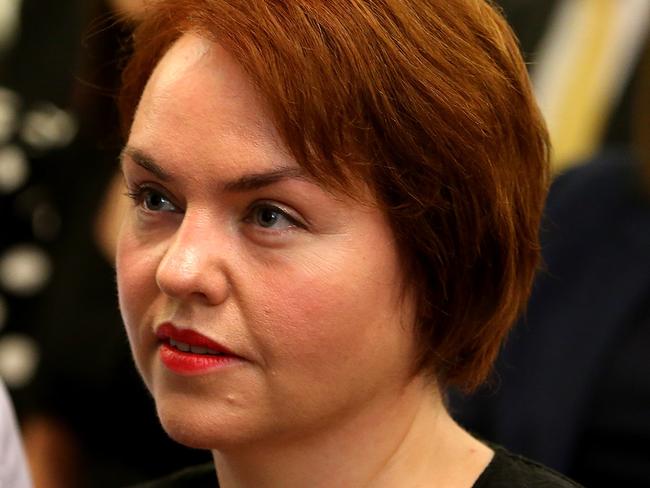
{"type": "Point", "coordinates": [187, 362]}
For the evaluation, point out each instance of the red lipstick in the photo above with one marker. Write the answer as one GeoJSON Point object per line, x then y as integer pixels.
{"type": "Point", "coordinates": [187, 352]}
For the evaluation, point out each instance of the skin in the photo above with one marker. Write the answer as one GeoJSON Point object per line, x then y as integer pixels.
{"type": "Point", "coordinates": [324, 392]}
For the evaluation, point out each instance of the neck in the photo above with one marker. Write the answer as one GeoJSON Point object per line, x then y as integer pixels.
{"type": "Point", "coordinates": [412, 442]}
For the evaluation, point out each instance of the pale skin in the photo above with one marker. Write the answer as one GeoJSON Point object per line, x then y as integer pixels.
{"type": "Point", "coordinates": [229, 237]}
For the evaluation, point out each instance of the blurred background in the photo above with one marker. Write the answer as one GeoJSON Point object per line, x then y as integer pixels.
{"type": "Point", "coordinates": [86, 418]}
{"type": "Point", "coordinates": [572, 386]}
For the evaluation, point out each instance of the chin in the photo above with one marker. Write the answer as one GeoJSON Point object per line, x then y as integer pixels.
{"type": "Point", "coordinates": [202, 423]}
{"type": "Point", "coordinates": [187, 433]}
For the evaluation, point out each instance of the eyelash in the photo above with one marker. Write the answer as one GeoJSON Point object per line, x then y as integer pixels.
{"type": "Point", "coordinates": [265, 205]}
{"type": "Point", "coordinates": [140, 192]}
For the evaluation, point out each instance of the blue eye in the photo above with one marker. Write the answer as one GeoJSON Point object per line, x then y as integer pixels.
{"type": "Point", "coordinates": [267, 216]}
{"type": "Point", "coordinates": [271, 216]}
{"type": "Point", "coordinates": [156, 202]}
{"type": "Point", "coordinates": [152, 200]}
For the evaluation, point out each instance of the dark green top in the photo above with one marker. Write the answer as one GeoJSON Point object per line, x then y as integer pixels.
{"type": "Point", "coordinates": [506, 470]}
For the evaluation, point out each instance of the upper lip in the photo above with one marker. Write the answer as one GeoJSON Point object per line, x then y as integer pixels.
{"type": "Point", "coordinates": [167, 330]}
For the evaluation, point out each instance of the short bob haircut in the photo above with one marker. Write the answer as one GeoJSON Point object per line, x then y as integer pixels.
{"type": "Point", "coordinates": [426, 101]}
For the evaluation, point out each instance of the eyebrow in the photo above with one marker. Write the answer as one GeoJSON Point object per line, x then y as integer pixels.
{"type": "Point", "coordinates": [244, 183]}
{"type": "Point", "coordinates": [145, 161]}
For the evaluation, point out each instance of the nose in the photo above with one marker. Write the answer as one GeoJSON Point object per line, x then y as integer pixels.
{"type": "Point", "coordinates": [194, 264]}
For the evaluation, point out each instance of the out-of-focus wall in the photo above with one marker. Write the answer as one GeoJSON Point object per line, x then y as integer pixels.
{"type": "Point", "coordinates": [583, 56]}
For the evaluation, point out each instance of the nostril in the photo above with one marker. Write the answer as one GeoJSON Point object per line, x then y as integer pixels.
{"type": "Point", "coordinates": [180, 269]}
{"type": "Point", "coordinates": [208, 284]}
{"type": "Point", "coordinates": [193, 267]}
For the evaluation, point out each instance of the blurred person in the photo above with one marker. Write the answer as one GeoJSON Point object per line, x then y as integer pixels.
{"type": "Point", "coordinates": [13, 467]}
{"type": "Point", "coordinates": [571, 387]}
{"type": "Point", "coordinates": [332, 223]}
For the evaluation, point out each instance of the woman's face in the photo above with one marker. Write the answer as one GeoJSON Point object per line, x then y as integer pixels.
{"type": "Point", "coordinates": [230, 246]}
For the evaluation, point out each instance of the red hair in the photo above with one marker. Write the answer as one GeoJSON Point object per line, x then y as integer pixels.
{"type": "Point", "coordinates": [428, 102]}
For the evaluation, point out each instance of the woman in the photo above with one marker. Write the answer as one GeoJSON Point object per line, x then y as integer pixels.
{"type": "Point", "coordinates": [335, 212]}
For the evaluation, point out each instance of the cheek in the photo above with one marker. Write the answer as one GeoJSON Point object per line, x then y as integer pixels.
{"type": "Point", "coordinates": [334, 308]}
{"type": "Point", "coordinates": [135, 282]}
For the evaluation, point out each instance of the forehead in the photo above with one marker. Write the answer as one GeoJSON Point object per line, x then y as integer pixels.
{"type": "Point", "coordinates": [199, 102]}
{"type": "Point", "coordinates": [199, 105]}
{"type": "Point", "coordinates": [185, 55]}
{"type": "Point", "coordinates": [194, 62]}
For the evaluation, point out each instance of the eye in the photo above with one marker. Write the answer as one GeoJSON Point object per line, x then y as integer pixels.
{"type": "Point", "coordinates": [152, 200]}
{"type": "Point", "coordinates": [270, 216]}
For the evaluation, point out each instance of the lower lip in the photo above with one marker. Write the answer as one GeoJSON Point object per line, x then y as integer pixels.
{"type": "Point", "coordinates": [188, 363]}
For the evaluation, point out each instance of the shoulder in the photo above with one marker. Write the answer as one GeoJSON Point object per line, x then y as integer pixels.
{"type": "Point", "coordinates": [200, 476]}
{"type": "Point", "coordinates": [509, 470]}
